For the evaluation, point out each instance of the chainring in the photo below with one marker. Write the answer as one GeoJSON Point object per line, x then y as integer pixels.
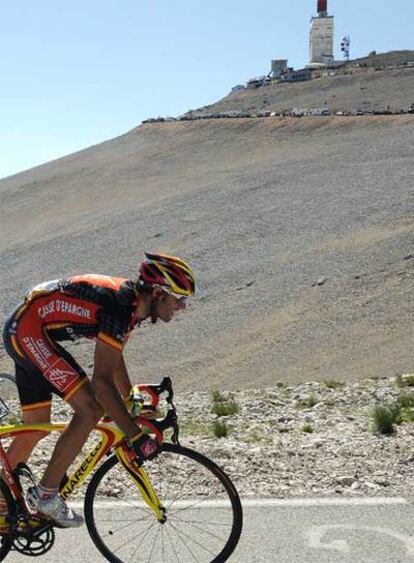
{"type": "Point", "coordinates": [34, 536]}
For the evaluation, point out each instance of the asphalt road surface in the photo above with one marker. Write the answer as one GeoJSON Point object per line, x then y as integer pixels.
{"type": "Point", "coordinates": [374, 530]}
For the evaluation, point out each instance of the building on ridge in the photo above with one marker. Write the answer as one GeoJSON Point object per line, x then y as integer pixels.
{"type": "Point", "coordinates": [321, 37]}
{"type": "Point", "coordinates": [279, 67]}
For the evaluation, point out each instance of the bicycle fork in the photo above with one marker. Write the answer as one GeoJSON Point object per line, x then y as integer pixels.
{"type": "Point", "coordinates": [140, 477]}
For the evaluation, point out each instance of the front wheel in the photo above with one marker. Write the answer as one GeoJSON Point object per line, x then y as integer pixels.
{"type": "Point", "coordinates": [202, 508]}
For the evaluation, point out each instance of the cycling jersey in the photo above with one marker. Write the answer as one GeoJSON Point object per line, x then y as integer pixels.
{"type": "Point", "coordinates": [89, 306]}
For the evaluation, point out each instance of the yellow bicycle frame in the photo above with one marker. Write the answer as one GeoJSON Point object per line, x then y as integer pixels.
{"type": "Point", "coordinates": [112, 436]}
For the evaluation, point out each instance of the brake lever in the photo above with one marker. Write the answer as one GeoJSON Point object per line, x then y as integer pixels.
{"type": "Point", "coordinates": [175, 427]}
{"type": "Point", "coordinates": [170, 421]}
{"type": "Point", "coordinates": [172, 413]}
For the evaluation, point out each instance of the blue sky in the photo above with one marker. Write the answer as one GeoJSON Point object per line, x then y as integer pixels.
{"type": "Point", "coordinates": [73, 74]}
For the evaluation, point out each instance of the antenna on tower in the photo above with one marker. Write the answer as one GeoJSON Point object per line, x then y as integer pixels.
{"type": "Point", "coordinates": [345, 47]}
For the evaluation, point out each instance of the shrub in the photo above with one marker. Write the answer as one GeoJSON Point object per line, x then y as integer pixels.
{"type": "Point", "coordinates": [225, 409]}
{"type": "Point", "coordinates": [223, 406]}
{"type": "Point", "coordinates": [405, 380]}
{"type": "Point", "coordinates": [405, 415]}
{"type": "Point", "coordinates": [406, 400]}
{"type": "Point", "coordinates": [216, 396]}
{"type": "Point", "coordinates": [220, 429]}
{"type": "Point", "coordinates": [383, 419]}
{"type": "Point", "coordinates": [402, 409]}
{"type": "Point", "coordinates": [309, 402]}
{"type": "Point", "coordinates": [399, 412]}
{"type": "Point", "coordinates": [307, 428]}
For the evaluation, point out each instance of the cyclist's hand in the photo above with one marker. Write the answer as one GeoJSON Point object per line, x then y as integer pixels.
{"type": "Point", "coordinates": [145, 447]}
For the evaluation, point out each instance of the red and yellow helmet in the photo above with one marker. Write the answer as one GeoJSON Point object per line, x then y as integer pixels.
{"type": "Point", "coordinates": [168, 272]}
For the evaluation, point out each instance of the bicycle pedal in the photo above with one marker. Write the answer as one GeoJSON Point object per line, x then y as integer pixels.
{"type": "Point", "coordinates": [23, 471]}
{"type": "Point", "coordinates": [32, 523]}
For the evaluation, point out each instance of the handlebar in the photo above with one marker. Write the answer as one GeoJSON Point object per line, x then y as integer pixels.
{"type": "Point", "coordinates": [154, 392]}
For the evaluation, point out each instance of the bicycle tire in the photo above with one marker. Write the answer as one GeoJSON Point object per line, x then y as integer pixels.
{"type": "Point", "coordinates": [10, 395]}
{"type": "Point", "coordinates": [8, 376]}
{"type": "Point", "coordinates": [214, 480]}
{"type": "Point", "coordinates": [6, 540]}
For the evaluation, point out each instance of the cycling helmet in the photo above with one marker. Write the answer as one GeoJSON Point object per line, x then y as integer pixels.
{"type": "Point", "coordinates": [168, 272]}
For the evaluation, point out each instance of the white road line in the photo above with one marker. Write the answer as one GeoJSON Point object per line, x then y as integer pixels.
{"type": "Point", "coordinates": [268, 502]}
{"type": "Point", "coordinates": [324, 501]}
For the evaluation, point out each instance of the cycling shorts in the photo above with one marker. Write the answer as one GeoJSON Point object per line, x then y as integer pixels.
{"type": "Point", "coordinates": [43, 367]}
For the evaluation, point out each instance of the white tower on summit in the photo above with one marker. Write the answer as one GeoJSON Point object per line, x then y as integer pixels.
{"type": "Point", "coordinates": [321, 36]}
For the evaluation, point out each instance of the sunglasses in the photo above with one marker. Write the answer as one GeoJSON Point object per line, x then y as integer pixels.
{"type": "Point", "coordinates": [180, 298]}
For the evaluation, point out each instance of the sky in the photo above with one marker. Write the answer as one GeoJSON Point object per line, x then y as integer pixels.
{"type": "Point", "coordinates": [74, 74]}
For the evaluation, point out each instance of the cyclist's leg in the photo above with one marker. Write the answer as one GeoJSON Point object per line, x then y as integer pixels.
{"type": "Point", "coordinates": [45, 497]}
{"type": "Point", "coordinates": [22, 446]}
{"type": "Point", "coordinates": [35, 394]}
{"type": "Point", "coordinates": [66, 378]}
{"type": "Point", "coordinates": [34, 411]}
{"type": "Point", "coordinates": [87, 413]}
{"type": "Point", "coordinates": [54, 369]}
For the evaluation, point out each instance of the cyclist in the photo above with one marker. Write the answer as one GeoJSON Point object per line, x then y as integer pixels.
{"type": "Point", "coordinates": [92, 306]}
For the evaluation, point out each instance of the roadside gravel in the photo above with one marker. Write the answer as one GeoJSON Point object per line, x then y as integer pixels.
{"type": "Point", "coordinates": [268, 452]}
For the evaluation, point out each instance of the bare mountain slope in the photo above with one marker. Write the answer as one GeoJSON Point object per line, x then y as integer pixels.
{"type": "Point", "coordinates": [263, 209]}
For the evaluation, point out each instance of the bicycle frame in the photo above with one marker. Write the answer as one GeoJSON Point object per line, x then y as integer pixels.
{"type": "Point", "coordinates": [111, 436]}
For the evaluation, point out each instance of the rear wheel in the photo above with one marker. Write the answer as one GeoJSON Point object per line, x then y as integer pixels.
{"type": "Point", "coordinates": [10, 397]}
{"type": "Point", "coordinates": [202, 508]}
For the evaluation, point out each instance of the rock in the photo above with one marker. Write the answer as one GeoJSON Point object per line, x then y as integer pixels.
{"type": "Point", "coordinates": [371, 485]}
{"type": "Point", "coordinates": [318, 442]}
{"type": "Point", "coordinates": [320, 281]}
{"type": "Point", "coordinates": [345, 480]}
{"type": "Point", "coordinates": [382, 482]}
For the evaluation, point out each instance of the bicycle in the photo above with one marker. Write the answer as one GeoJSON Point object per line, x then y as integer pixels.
{"type": "Point", "coordinates": [179, 506]}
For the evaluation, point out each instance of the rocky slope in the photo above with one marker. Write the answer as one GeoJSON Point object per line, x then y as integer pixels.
{"type": "Point", "coordinates": [300, 233]}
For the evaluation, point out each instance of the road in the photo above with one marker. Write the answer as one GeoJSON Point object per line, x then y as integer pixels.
{"type": "Point", "coordinates": [366, 530]}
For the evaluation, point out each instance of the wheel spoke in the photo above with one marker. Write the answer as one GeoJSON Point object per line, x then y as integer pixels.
{"type": "Point", "coordinates": [153, 545]}
{"type": "Point", "coordinates": [121, 528]}
{"type": "Point", "coordinates": [134, 537]}
{"type": "Point", "coordinates": [182, 533]}
{"type": "Point", "coordinates": [172, 545]}
{"type": "Point", "coordinates": [184, 543]}
{"type": "Point", "coordinates": [202, 529]}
